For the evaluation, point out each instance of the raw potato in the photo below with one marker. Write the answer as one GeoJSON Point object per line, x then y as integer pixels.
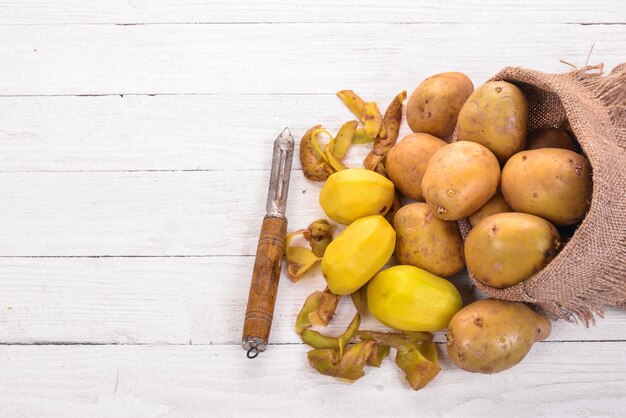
{"type": "Point", "coordinates": [459, 179]}
{"type": "Point", "coordinates": [427, 242]}
{"type": "Point", "coordinates": [406, 162]}
{"type": "Point", "coordinates": [549, 138]}
{"type": "Point", "coordinates": [552, 183]}
{"type": "Point", "coordinates": [357, 253]}
{"type": "Point", "coordinates": [496, 116]}
{"type": "Point", "coordinates": [507, 248]}
{"type": "Point", "coordinates": [490, 335]}
{"type": "Point", "coordinates": [354, 193]}
{"type": "Point", "coordinates": [411, 299]}
{"type": "Point", "coordinates": [434, 105]}
{"type": "Point", "coordinates": [497, 204]}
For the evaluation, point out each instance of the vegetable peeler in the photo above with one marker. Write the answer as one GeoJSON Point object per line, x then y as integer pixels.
{"type": "Point", "coordinates": [270, 250]}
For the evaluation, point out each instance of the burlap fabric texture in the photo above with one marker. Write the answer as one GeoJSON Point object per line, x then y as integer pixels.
{"type": "Point", "coordinates": [590, 271]}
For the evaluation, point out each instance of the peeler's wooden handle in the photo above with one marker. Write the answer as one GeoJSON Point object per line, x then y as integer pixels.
{"type": "Point", "coordinates": [264, 285]}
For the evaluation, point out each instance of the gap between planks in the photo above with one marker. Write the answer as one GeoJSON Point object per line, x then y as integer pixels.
{"type": "Point", "coordinates": [303, 22]}
{"type": "Point", "coordinates": [233, 344]}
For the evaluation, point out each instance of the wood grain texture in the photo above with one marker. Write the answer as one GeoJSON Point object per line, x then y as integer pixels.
{"type": "Point", "coordinates": [142, 213]}
{"type": "Point", "coordinates": [562, 379]}
{"type": "Point", "coordinates": [103, 133]}
{"type": "Point", "coordinates": [135, 141]}
{"type": "Point", "coordinates": [264, 284]}
{"type": "Point", "coordinates": [282, 58]}
{"type": "Point", "coordinates": [168, 11]}
{"type": "Point", "coordinates": [175, 300]}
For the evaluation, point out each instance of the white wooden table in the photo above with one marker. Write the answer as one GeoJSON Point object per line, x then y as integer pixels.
{"type": "Point", "coordinates": [135, 139]}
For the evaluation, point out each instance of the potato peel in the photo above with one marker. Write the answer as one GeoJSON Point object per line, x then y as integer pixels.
{"type": "Point", "coordinates": [373, 121]}
{"type": "Point", "coordinates": [299, 259]}
{"type": "Point", "coordinates": [314, 166]}
{"type": "Point", "coordinates": [318, 340]}
{"type": "Point", "coordinates": [316, 147]}
{"type": "Point", "coordinates": [379, 353]}
{"type": "Point", "coordinates": [321, 234]}
{"type": "Point", "coordinates": [318, 309]}
{"type": "Point", "coordinates": [344, 138]}
{"type": "Point", "coordinates": [392, 121]}
{"type": "Point", "coordinates": [332, 161]}
{"type": "Point", "coordinates": [419, 370]}
{"type": "Point", "coordinates": [360, 137]}
{"type": "Point", "coordinates": [359, 299]}
{"type": "Point", "coordinates": [353, 102]}
{"type": "Point", "coordinates": [416, 354]}
{"type": "Point", "coordinates": [349, 367]}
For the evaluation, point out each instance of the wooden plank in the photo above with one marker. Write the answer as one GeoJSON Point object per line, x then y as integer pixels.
{"type": "Point", "coordinates": [564, 379]}
{"type": "Point", "coordinates": [174, 301]}
{"type": "Point", "coordinates": [281, 58]}
{"type": "Point", "coordinates": [69, 133]}
{"type": "Point", "coordinates": [168, 11]}
{"type": "Point", "coordinates": [141, 213]}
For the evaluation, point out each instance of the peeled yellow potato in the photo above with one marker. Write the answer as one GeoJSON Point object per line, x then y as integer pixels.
{"type": "Point", "coordinates": [411, 299]}
{"type": "Point", "coordinates": [357, 253]}
{"type": "Point", "coordinates": [354, 193]}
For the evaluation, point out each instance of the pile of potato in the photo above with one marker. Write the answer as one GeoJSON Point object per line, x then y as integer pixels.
{"type": "Point", "coordinates": [515, 194]}
{"type": "Point", "coordinates": [470, 157]}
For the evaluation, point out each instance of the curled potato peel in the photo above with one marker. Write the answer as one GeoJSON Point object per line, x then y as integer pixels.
{"type": "Point", "coordinates": [344, 138]}
{"type": "Point", "coordinates": [331, 356]}
{"type": "Point", "coordinates": [336, 164]}
{"type": "Point", "coordinates": [416, 354]}
{"type": "Point", "coordinates": [392, 122]}
{"type": "Point", "coordinates": [321, 234]}
{"type": "Point", "coordinates": [353, 102]}
{"type": "Point", "coordinates": [348, 367]}
{"type": "Point", "coordinates": [299, 259]}
{"type": "Point", "coordinates": [314, 165]}
{"type": "Point", "coordinates": [318, 309]}
{"type": "Point", "coordinates": [360, 137]}
{"type": "Point", "coordinates": [316, 147]}
{"type": "Point", "coordinates": [373, 124]}
{"type": "Point", "coordinates": [318, 340]}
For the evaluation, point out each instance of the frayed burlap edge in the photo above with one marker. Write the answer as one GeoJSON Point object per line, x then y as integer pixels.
{"type": "Point", "coordinates": [590, 271]}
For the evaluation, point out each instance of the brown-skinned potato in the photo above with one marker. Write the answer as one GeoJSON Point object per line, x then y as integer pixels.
{"type": "Point", "coordinates": [489, 336]}
{"type": "Point", "coordinates": [549, 138]}
{"type": "Point", "coordinates": [552, 183]}
{"type": "Point", "coordinates": [427, 242]}
{"type": "Point", "coordinates": [434, 105]}
{"type": "Point", "coordinates": [507, 248]}
{"type": "Point", "coordinates": [497, 204]}
{"type": "Point", "coordinates": [496, 116]}
{"type": "Point", "coordinates": [407, 160]}
{"type": "Point", "coordinates": [459, 179]}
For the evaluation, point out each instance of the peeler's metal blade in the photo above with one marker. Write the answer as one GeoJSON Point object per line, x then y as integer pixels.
{"type": "Point", "coordinates": [281, 171]}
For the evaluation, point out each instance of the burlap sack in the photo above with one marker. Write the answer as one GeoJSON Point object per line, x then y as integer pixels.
{"type": "Point", "coordinates": [590, 272]}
